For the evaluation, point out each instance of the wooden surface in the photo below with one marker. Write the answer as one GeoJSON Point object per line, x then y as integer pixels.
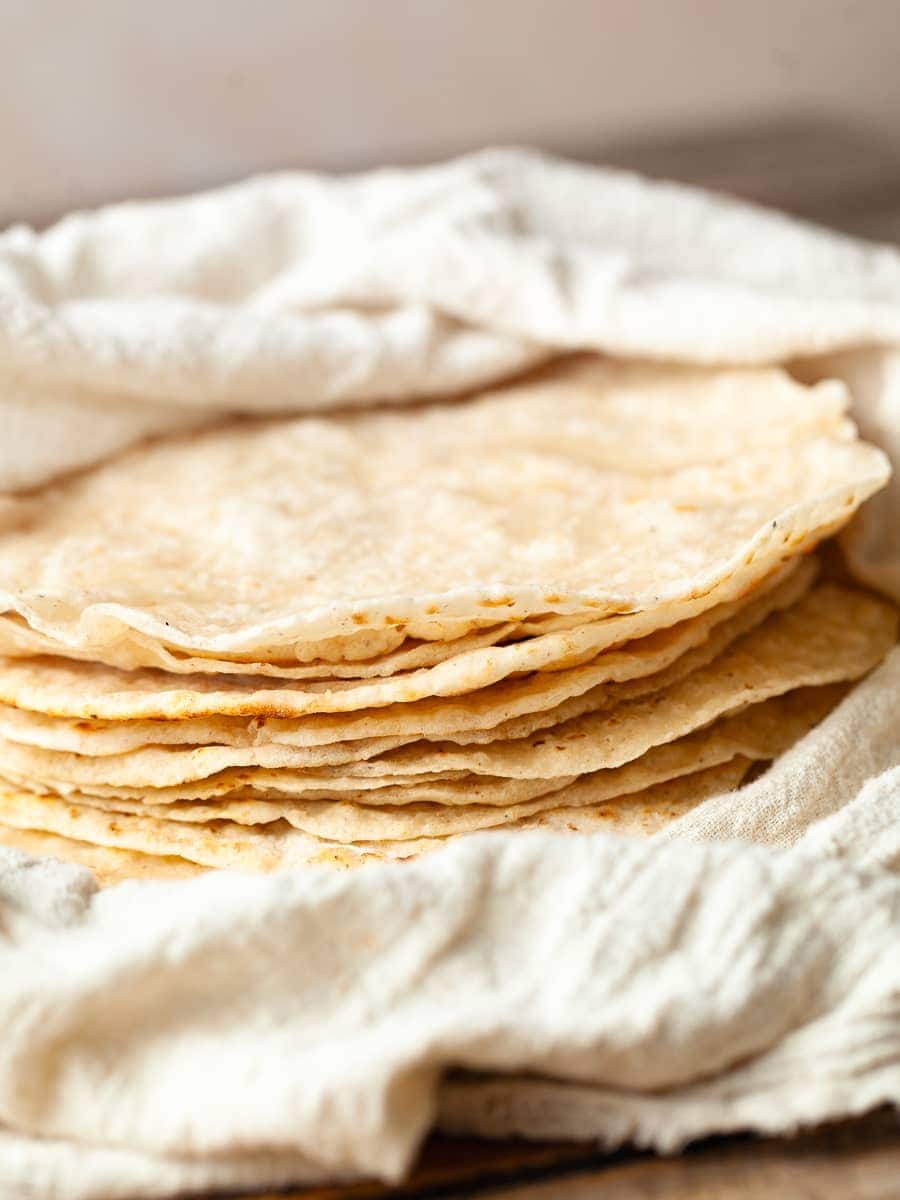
{"type": "Point", "coordinates": [856, 1160]}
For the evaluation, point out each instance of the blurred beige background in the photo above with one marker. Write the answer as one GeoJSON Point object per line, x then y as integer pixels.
{"type": "Point", "coordinates": [103, 99]}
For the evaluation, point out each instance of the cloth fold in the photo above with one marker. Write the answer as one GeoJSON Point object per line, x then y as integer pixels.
{"type": "Point", "coordinates": [299, 290]}
{"type": "Point", "coordinates": [709, 987]}
{"type": "Point", "coordinates": [740, 971]}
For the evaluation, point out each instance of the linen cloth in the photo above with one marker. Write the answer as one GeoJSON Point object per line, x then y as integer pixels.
{"type": "Point", "coordinates": [741, 970]}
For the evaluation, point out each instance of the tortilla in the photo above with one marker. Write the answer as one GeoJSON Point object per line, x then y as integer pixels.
{"type": "Point", "coordinates": [584, 490]}
{"type": "Point", "coordinates": [226, 844]}
{"type": "Point", "coordinates": [643, 814]}
{"type": "Point", "coordinates": [758, 733]}
{"type": "Point", "coordinates": [316, 736]}
{"type": "Point", "coordinates": [85, 690]}
{"type": "Point", "coordinates": [397, 653]}
{"type": "Point", "coordinates": [832, 635]}
{"type": "Point", "coordinates": [108, 866]}
{"type": "Point", "coordinates": [449, 788]}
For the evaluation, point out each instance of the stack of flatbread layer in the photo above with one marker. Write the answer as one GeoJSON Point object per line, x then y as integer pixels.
{"type": "Point", "coordinates": [584, 601]}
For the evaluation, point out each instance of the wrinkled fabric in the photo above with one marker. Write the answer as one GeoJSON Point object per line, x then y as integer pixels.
{"type": "Point", "coordinates": [741, 970]}
{"type": "Point", "coordinates": [299, 290]}
{"type": "Point", "coordinates": [660, 991]}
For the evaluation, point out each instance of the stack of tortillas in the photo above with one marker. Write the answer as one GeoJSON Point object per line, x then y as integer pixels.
{"type": "Point", "coordinates": [586, 600]}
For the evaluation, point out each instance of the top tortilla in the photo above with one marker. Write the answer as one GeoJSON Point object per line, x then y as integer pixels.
{"type": "Point", "coordinates": [595, 487]}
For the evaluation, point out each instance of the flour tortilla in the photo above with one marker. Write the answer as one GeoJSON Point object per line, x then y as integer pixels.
{"type": "Point", "coordinates": [762, 731]}
{"type": "Point", "coordinates": [597, 488]}
{"type": "Point", "coordinates": [511, 709]}
{"type": "Point", "coordinates": [118, 738]}
{"type": "Point", "coordinates": [108, 866]}
{"type": "Point", "coordinates": [450, 787]}
{"type": "Point", "coordinates": [225, 844]}
{"type": "Point", "coordinates": [578, 641]}
{"type": "Point", "coordinates": [832, 635]}
{"type": "Point", "coordinates": [85, 690]}
{"type": "Point", "coordinates": [396, 653]}
{"type": "Point", "coordinates": [162, 766]}
{"type": "Point", "coordinates": [833, 629]}
{"type": "Point", "coordinates": [643, 814]}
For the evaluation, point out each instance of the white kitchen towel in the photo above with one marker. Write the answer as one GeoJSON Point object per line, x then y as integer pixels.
{"type": "Point", "coordinates": [231, 1031]}
{"type": "Point", "coordinates": [237, 1028]}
